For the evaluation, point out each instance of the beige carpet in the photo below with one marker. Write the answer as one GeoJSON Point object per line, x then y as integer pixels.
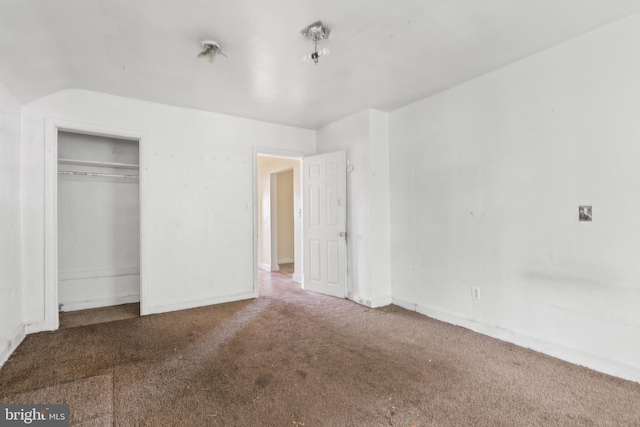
{"type": "Point", "coordinates": [71, 319]}
{"type": "Point", "coordinates": [293, 358]}
{"type": "Point", "coordinates": [91, 399]}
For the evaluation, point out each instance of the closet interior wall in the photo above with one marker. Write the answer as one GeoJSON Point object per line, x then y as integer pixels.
{"type": "Point", "coordinates": [98, 221]}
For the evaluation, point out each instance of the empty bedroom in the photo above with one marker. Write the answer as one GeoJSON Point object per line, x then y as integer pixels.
{"type": "Point", "coordinates": [410, 213]}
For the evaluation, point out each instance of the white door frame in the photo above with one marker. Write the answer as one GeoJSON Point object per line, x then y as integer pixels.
{"type": "Point", "coordinates": [52, 127]}
{"type": "Point", "coordinates": [298, 155]}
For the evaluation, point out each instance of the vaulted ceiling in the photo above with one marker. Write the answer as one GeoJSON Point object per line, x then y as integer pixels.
{"type": "Point", "coordinates": [384, 53]}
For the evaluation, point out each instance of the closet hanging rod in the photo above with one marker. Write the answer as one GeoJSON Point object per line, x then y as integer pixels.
{"type": "Point", "coordinates": [99, 164]}
{"type": "Point", "coordinates": [110, 175]}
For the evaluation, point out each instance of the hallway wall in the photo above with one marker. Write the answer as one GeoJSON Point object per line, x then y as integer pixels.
{"type": "Point", "coordinates": [286, 218]}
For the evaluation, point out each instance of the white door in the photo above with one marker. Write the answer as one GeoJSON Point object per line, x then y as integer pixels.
{"type": "Point", "coordinates": [324, 181]}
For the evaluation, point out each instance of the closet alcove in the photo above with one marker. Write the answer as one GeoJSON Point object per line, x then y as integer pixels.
{"type": "Point", "coordinates": [98, 221]}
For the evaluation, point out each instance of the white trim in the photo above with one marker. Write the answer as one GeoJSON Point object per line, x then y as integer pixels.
{"type": "Point", "coordinates": [381, 301]}
{"type": "Point", "coordinates": [372, 302]}
{"type": "Point", "coordinates": [286, 261]}
{"type": "Point", "coordinates": [49, 320]}
{"type": "Point", "coordinates": [12, 343]}
{"type": "Point", "coordinates": [571, 355]}
{"type": "Point", "coordinates": [102, 302]}
{"type": "Point", "coordinates": [298, 278]}
{"type": "Point", "coordinates": [185, 305]}
{"type": "Point", "coordinates": [94, 274]}
{"type": "Point", "coordinates": [269, 268]}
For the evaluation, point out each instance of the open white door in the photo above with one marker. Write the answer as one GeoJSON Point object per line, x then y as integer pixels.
{"type": "Point", "coordinates": [324, 181]}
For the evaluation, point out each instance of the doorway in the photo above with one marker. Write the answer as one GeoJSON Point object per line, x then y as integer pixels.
{"type": "Point", "coordinates": [279, 215]}
{"type": "Point", "coordinates": [320, 201]}
{"type": "Point", "coordinates": [98, 227]}
{"type": "Point", "coordinates": [50, 319]}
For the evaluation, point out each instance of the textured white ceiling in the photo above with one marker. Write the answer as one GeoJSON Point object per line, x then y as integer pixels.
{"type": "Point", "coordinates": [384, 53]}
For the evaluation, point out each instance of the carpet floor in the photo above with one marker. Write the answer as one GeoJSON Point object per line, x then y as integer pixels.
{"type": "Point", "coordinates": [295, 358]}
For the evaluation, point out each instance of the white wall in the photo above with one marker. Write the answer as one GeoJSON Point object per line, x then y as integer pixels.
{"type": "Point", "coordinates": [98, 222]}
{"type": "Point", "coordinates": [12, 328]}
{"type": "Point", "coordinates": [197, 223]}
{"type": "Point", "coordinates": [486, 180]}
{"type": "Point", "coordinates": [364, 136]}
{"type": "Point", "coordinates": [267, 169]}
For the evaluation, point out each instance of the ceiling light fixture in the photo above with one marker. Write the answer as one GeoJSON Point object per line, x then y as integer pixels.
{"type": "Point", "coordinates": [211, 50]}
{"type": "Point", "coordinates": [316, 32]}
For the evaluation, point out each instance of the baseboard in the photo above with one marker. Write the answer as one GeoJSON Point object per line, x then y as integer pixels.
{"type": "Point", "coordinates": [94, 274]}
{"type": "Point", "coordinates": [104, 302]}
{"type": "Point", "coordinates": [361, 300]}
{"type": "Point", "coordinates": [578, 357]}
{"type": "Point", "coordinates": [268, 267]}
{"type": "Point", "coordinates": [41, 326]}
{"type": "Point", "coordinates": [372, 302]}
{"type": "Point", "coordinates": [185, 305]}
{"type": "Point", "coordinates": [286, 261]}
{"type": "Point", "coordinates": [12, 343]}
{"type": "Point", "coordinates": [297, 277]}
{"type": "Point", "coordinates": [381, 301]}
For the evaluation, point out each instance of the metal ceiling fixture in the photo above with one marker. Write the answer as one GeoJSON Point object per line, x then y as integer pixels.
{"type": "Point", "coordinates": [316, 32]}
{"type": "Point", "coordinates": [211, 50]}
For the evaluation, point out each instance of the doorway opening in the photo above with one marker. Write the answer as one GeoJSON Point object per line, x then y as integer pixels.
{"type": "Point", "coordinates": [279, 217]}
{"type": "Point", "coordinates": [98, 228]}
{"type": "Point", "coordinates": [319, 211]}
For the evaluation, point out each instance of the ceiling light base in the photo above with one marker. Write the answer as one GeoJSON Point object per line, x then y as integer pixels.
{"type": "Point", "coordinates": [316, 31]}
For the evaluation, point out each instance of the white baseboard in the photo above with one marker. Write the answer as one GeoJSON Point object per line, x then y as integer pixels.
{"type": "Point", "coordinates": [94, 274]}
{"type": "Point", "coordinates": [185, 305]}
{"type": "Point", "coordinates": [268, 267]}
{"type": "Point", "coordinates": [286, 261]}
{"type": "Point", "coordinates": [103, 302]}
{"type": "Point", "coordinates": [41, 326]}
{"type": "Point", "coordinates": [381, 301]}
{"type": "Point", "coordinates": [374, 302]}
{"type": "Point", "coordinates": [12, 343]}
{"type": "Point", "coordinates": [578, 357]}
{"type": "Point", "coordinates": [297, 277]}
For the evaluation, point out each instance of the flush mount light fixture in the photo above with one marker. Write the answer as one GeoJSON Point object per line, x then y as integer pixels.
{"type": "Point", "coordinates": [316, 32]}
{"type": "Point", "coordinates": [211, 49]}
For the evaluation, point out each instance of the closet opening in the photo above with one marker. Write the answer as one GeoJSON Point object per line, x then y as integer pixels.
{"type": "Point", "coordinates": [98, 228]}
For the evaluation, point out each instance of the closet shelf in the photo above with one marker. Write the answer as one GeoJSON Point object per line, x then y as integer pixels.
{"type": "Point", "coordinates": [99, 164]}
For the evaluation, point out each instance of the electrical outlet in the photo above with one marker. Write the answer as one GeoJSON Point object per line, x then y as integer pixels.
{"type": "Point", "coordinates": [475, 294]}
